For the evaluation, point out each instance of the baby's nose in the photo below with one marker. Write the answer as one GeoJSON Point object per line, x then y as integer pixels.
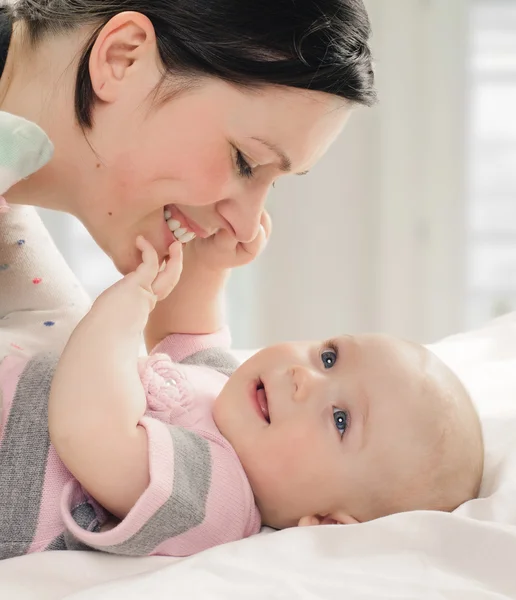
{"type": "Point", "coordinates": [302, 382]}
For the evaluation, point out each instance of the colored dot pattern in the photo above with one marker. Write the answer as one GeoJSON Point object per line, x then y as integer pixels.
{"type": "Point", "coordinates": [36, 281]}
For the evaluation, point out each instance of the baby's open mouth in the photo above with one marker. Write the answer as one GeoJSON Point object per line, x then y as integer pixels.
{"type": "Point", "coordinates": [261, 396]}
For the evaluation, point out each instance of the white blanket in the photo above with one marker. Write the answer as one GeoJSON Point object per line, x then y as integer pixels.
{"type": "Point", "coordinates": [470, 554]}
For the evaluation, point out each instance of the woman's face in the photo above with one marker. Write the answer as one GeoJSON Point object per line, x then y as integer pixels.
{"type": "Point", "coordinates": [209, 154]}
{"type": "Point", "coordinates": [212, 153]}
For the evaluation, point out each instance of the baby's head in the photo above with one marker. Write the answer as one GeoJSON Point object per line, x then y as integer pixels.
{"type": "Point", "coordinates": [351, 430]}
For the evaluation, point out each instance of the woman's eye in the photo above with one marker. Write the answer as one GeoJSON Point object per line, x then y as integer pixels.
{"type": "Point", "coordinates": [244, 168]}
{"type": "Point", "coordinates": [329, 358]}
{"type": "Point", "coordinates": [341, 420]}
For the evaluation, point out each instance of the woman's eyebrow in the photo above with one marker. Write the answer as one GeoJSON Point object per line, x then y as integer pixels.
{"type": "Point", "coordinates": [285, 162]}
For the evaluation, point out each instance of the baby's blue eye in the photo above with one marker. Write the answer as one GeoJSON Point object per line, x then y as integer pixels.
{"type": "Point", "coordinates": [341, 420]}
{"type": "Point", "coordinates": [329, 358]}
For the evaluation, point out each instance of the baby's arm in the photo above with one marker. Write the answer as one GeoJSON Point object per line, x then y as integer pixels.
{"type": "Point", "coordinates": [194, 307]}
{"type": "Point", "coordinates": [97, 398]}
{"type": "Point", "coordinates": [196, 304]}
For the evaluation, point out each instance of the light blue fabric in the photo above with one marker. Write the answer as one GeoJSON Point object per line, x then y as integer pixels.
{"type": "Point", "coordinates": [24, 149]}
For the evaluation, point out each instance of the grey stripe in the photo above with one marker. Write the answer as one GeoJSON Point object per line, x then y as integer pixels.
{"type": "Point", "coordinates": [219, 359]}
{"type": "Point", "coordinates": [72, 543]}
{"type": "Point", "coordinates": [85, 517]}
{"type": "Point", "coordinates": [23, 457]}
{"type": "Point", "coordinates": [57, 543]}
{"type": "Point", "coordinates": [186, 507]}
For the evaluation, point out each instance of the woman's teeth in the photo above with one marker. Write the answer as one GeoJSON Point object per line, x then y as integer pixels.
{"type": "Point", "coordinates": [180, 233]}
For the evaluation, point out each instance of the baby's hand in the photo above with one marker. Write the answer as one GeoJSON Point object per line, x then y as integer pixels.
{"type": "Point", "coordinates": [149, 276]}
{"type": "Point", "coordinates": [222, 251]}
{"type": "Point", "coordinates": [127, 303]}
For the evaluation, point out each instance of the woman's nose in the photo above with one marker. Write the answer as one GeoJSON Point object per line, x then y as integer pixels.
{"type": "Point", "coordinates": [244, 213]}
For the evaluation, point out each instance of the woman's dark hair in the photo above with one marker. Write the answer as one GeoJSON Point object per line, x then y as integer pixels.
{"type": "Point", "coordinates": [317, 45]}
{"type": "Point", "coordinates": [6, 27]}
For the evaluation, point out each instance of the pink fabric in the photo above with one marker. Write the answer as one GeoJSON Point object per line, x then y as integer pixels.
{"type": "Point", "coordinates": [180, 346]}
{"type": "Point", "coordinates": [178, 395]}
{"type": "Point", "coordinates": [161, 464]}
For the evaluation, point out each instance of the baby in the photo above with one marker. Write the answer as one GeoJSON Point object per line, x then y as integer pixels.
{"type": "Point", "coordinates": [185, 449]}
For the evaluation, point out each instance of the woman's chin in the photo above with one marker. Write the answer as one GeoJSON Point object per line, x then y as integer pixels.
{"type": "Point", "coordinates": [125, 262]}
{"type": "Point", "coordinates": [123, 252]}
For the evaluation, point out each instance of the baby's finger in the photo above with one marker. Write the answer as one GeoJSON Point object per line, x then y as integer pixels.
{"type": "Point", "coordinates": [224, 241]}
{"type": "Point", "coordinates": [252, 249]}
{"type": "Point", "coordinates": [149, 254]}
{"type": "Point", "coordinates": [308, 522]}
{"type": "Point", "coordinates": [168, 277]}
{"type": "Point", "coordinates": [149, 267]}
{"type": "Point", "coordinates": [266, 223]}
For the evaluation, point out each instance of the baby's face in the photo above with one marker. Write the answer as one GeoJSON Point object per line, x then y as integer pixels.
{"type": "Point", "coordinates": [332, 425]}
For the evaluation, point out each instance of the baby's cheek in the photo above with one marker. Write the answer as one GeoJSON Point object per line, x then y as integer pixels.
{"type": "Point", "coordinates": [293, 473]}
{"type": "Point", "coordinates": [295, 448]}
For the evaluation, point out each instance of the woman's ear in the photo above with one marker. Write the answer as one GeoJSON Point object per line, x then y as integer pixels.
{"type": "Point", "coordinates": [124, 49]}
{"type": "Point", "coordinates": [336, 518]}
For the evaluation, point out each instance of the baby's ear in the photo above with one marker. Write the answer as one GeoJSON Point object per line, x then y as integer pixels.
{"type": "Point", "coordinates": [336, 518]}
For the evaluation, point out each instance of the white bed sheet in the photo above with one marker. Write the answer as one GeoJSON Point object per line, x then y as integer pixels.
{"type": "Point", "coordinates": [468, 555]}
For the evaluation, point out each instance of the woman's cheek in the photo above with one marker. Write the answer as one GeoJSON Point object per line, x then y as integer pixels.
{"type": "Point", "coordinates": [210, 184]}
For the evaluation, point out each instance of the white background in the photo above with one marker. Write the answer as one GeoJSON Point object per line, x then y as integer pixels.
{"type": "Point", "coordinates": [409, 224]}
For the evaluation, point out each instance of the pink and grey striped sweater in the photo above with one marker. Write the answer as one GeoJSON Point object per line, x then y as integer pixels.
{"type": "Point", "coordinates": [198, 496]}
